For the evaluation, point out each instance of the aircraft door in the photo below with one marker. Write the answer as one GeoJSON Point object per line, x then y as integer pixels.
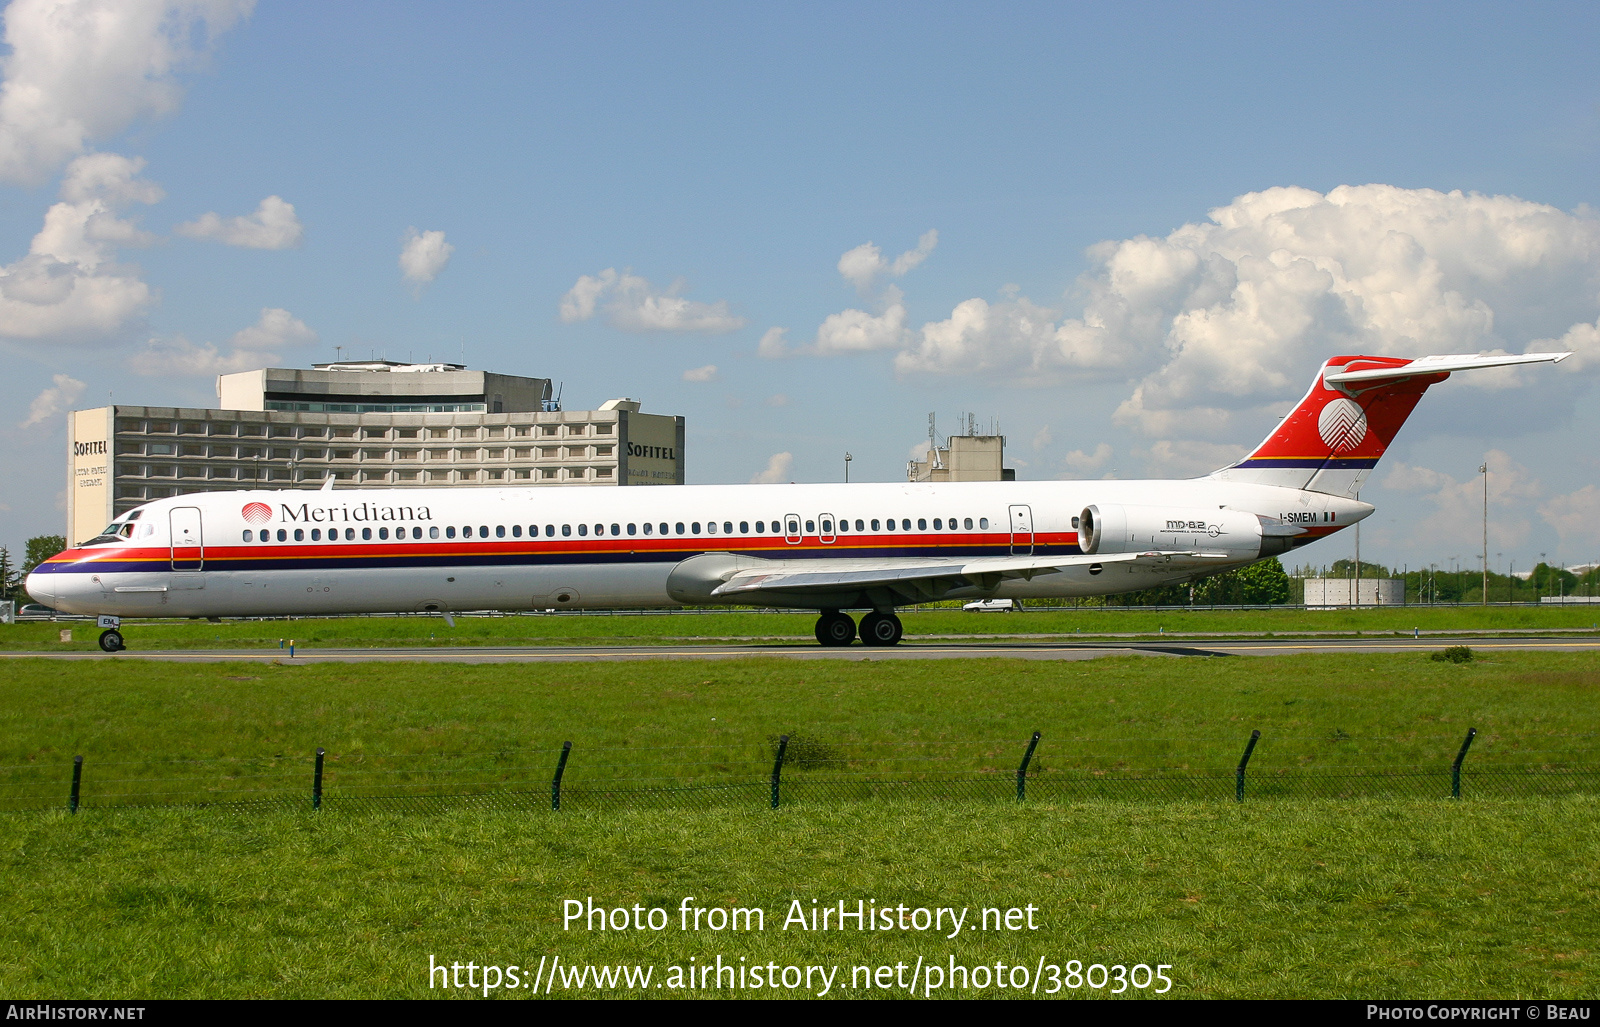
{"type": "Point", "coordinates": [825, 523]}
{"type": "Point", "coordinates": [1021, 531]}
{"type": "Point", "coordinates": [791, 529]}
{"type": "Point", "coordinates": [188, 544]}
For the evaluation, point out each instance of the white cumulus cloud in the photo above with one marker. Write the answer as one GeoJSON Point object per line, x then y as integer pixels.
{"type": "Point", "coordinates": [273, 226]}
{"type": "Point", "coordinates": [633, 304]}
{"type": "Point", "coordinates": [69, 287]}
{"type": "Point", "coordinates": [1457, 518]}
{"type": "Point", "coordinates": [865, 263]}
{"type": "Point", "coordinates": [54, 400]}
{"type": "Point", "coordinates": [423, 255]}
{"type": "Point", "coordinates": [259, 345]}
{"type": "Point", "coordinates": [1575, 516]}
{"type": "Point", "coordinates": [1082, 463]}
{"type": "Point", "coordinates": [1224, 317]}
{"type": "Point", "coordinates": [707, 373]}
{"type": "Point", "coordinates": [777, 470]}
{"type": "Point", "coordinates": [857, 331]}
{"type": "Point", "coordinates": [81, 70]}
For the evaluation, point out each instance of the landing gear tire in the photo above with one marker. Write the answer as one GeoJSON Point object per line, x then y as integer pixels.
{"type": "Point", "coordinates": [881, 629]}
{"type": "Point", "coordinates": [835, 628]}
{"type": "Point", "coordinates": [111, 641]}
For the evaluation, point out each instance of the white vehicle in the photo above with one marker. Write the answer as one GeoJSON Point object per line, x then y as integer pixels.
{"type": "Point", "coordinates": [991, 606]}
{"type": "Point", "coordinates": [830, 548]}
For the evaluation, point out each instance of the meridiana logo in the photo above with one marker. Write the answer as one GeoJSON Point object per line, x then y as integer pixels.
{"type": "Point", "coordinates": [1342, 425]}
{"type": "Point", "coordinates": [257, 513]}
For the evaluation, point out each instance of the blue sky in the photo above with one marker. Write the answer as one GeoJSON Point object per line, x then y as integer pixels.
{"type": "Point", "coordinates": [722, 160]}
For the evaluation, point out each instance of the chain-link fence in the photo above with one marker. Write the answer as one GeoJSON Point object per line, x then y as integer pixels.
{"type": "Point", "coordinates": [808, 771]}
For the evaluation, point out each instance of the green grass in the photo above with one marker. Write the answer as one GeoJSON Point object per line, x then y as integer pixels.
{"type": "Point", "coordinates": [1274, 897]}
{"type": "Point", "coordinates": [634, 629]}
{"type": "Point", "coordinates": [1358, 900]}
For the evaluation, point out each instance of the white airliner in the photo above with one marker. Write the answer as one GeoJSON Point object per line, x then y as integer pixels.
{"type": "Point", "coordinates": [830, 548]}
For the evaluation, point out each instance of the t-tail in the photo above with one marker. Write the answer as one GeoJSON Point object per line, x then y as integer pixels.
{"type": "Point", "coordinates": [1331, 441]}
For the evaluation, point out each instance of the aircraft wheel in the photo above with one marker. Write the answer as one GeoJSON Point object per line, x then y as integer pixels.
{"type": "Point", "coordinates": [111, 641]}
{"type": "Point", "coordinates": [835, 628]}
{"type": "Point", "coordinates": [881, 629]}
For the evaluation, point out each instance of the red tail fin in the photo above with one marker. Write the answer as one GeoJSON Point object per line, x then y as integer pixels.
{"type": "Point", "coordinates": [1331, 441]}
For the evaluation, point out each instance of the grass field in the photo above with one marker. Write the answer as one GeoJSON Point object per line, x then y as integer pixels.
{"type": "Point", "coordinates": [634, 629]}
{"type": "Point", "coordinates": [1274, 897]}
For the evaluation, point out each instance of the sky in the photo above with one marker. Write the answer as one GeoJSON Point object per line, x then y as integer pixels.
{"type": "Point", "coordinates": [1128, 235]}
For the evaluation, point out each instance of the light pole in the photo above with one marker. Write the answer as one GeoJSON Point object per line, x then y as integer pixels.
{"type": "Point", "coordinates": [1483, 469]}
{"type": "Point", "coordinates": [1546, 567]}
{"type": "Point", "coordinates": [847, 459]}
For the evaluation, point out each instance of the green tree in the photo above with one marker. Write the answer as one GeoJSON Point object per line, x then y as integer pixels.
{"type": "Point", "coordinates": [42, 548]}
{"type": "Point", "coordinates": [1263, 584]}
{"type": "Point", "coordinates": [1260, 584]}
{"type": "Point", "coordinates": [8, 576]}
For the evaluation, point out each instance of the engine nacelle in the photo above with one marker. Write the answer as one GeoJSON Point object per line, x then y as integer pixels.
{"type": "Point", "coordinates": [1113, 528]}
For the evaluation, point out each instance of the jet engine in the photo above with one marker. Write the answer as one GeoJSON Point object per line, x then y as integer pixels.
{"type": "Point", "coordinates": [1112, 528]}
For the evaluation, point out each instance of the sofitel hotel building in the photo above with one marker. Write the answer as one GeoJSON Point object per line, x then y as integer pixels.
{"type": "Point", "coordinates": [374, 424]}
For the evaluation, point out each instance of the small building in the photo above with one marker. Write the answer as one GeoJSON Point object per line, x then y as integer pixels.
{"type": "Point", "coordinates": [367, 424]}
{"type": "Point", "coordinates": [1332, 593]}
{"type": "Point", "coordinates": [964, 458]}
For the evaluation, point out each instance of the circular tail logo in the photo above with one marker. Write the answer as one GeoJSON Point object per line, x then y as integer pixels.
{"type": "Point", "coordinates": [1343, 425]}
{"type": "Point", "coordinates": [257, 513]}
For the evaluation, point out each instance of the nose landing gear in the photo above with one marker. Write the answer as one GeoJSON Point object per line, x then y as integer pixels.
{"type": "Point", "coordinates": [111, 641]}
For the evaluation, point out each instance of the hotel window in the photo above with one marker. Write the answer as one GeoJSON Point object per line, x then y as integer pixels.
{"type": "Point", "coordinates": [374, 433]}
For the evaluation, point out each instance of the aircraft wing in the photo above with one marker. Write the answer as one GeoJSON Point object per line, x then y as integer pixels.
{"type": "Point", "coordinates": [924, 579]}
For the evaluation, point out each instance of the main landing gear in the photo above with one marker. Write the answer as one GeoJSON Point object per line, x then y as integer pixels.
{"type": "Point", "coordinates": [835, 628]}
{"type": "Point", "coordinates": [111, 641]}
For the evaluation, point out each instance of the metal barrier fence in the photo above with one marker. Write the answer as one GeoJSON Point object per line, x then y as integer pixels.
{"type": "Point", "coordinates": [803, 771]}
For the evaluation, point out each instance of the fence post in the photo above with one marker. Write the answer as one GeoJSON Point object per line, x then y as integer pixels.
{"type": "Point", "coordinates": [561, 768]}
{"type": "Point", "coordinates": [777, 767]}
{"type": "Point", "coordinates": [1455, 768]}
{"type": "Point", "coordinates": [316, 781]}
{"type": "Point", "coordinates": [77, 780]}
{"type": "Point", "coordinates": [1249, 747]}
{"type": "Point", "coordinates": [1022, 771]}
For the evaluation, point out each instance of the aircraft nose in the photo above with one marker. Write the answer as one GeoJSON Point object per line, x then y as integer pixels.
{"type": "Point", "coordinates": [41, 588]}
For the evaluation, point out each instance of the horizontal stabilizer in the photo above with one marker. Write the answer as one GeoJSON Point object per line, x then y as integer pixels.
{"type": "Point", "coordinates": [1442, 364]}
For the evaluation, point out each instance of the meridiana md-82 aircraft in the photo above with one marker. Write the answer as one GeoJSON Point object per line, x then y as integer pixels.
{"type": "Point", "coordinates": [830, 548]}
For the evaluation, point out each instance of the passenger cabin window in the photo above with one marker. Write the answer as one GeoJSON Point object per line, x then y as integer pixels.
{"type": "Point", "coordinates": [983, 523]}
{"type": "Point", "coordinates": [583, 529]}
{"type": "Point", "coordinates": [316, 534]}
{"type": "Point", "coordinates": [383, 533]}
{"type": "Point", "coordinates": [632, 531]}
{"type": "Point", "coordinates": [433, 532]}
{"type": "Point", "coordinates": [760, 527]}
{"type": "Point", "coordinates": [744, 527]}
{"type": "Point", "coordinates": [516, 531]}
{"type": "Point", "coordinates": [680, 527]}
{"type": "Point", "coordinates": [249, 536]}
{"type": "Point", "coordinates": [711, 527]}
{"type": "Point", "coordinates": [450, 531]}
{"type": "Point", "coordinates": [694, 527]}
{"type": "Point", "coordinates": [794, 527]}
{"type": "Point", "coordinates": [648, 527]}
{"type": "Point", "coordinates": [366, 534]}
{"type": "Point", "coordinates": [967, 523]}
{"type": "Point", "coordinates": [499, 531]}
{"type": "Point", "coordinates": [566, 529]}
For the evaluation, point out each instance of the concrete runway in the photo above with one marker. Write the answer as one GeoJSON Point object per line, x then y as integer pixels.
{"type": "Point", "coordinates": [1085, 650]}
